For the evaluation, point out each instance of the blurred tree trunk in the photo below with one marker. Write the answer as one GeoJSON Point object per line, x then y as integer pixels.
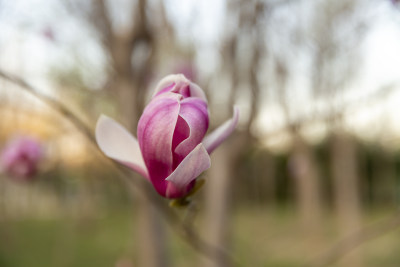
{"type": "Point", "coordinates": [346, 189]}
{"type": "Point", "coordinates": [262, 179]}
{"type": "Point", "coordinates": [305, 173]}
{"type": "Point", "coordinates": [218, 195]}
{"type": "Point", "coordinates": [152, 237]}
{"type": "Point", "coordinates": [126, 99]}
{"type": "Point", "coordinates": [218, 200]}
{"type": "Point", "coordinates": [268, 182]}
{"type": "Point", "coordinates": [129, 85]}
{"type": "Point", "coordinates": [303, 167]}
{"type": "Point", "coordinates": [150, 227]}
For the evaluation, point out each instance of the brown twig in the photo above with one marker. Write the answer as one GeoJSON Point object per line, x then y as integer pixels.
{"type": "Point", "coordinates": [186, 232]}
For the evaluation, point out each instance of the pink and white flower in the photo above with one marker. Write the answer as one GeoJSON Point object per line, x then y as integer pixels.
{"type": "Point", "coordinates": [20, 158]}
{"type": "Point", "coordinates": [171, 149]}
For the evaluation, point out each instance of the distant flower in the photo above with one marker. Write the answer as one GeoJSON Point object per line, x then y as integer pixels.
{"type": "Point", "coordinates": [20, 158]}
{"type": "Point", "coordinates": [48, 34]}
{"type": "Point", "coordinates": [171, 150]}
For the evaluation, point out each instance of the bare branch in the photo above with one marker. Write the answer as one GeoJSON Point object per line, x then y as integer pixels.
{"type": "Point", "coordinates": [53, 103]}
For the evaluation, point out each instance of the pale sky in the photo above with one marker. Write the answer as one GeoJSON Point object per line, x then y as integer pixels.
{"type": "Point", "coordinates": [25, 51]}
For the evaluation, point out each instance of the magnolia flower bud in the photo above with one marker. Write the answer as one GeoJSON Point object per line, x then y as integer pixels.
{"type": "Point", "coordinates": [171, 150]}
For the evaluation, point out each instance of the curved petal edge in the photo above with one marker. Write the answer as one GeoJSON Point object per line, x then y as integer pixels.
{"type": "Point", "coordinates": [168, 81]}
{"type": "Point", "coordinates": [172, 80]}
{"type": "Point", "coordinates": [214, 139]}
{"type": "Point", "coordinates": [191, 167]}
{"type": "Point", "coordinates": [117, 143]}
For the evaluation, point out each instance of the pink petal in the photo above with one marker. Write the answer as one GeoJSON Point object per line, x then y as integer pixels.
{"type": "Point", "coordinates": [167, 89]}
{"type": "Point", "coordinates": [177, 81]}
{"type": "Point", "coordinates": [190, 168]}
{"type": "Point", "coordinates": [117, 143]}
{"type": "Point", "coordinates": [196, 91]}
{"type": "Point", "coordinates": [181, 133]}
{"type": "Point", "coordinates": [168, 82]}
{"type": "Point", "coordinates": [214, 139]}
{"type": "Point", "coordinates": [194, 112]}
{"type": "Point", "coordinates": [155, 132]}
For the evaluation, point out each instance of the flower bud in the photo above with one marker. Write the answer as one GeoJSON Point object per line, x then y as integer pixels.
{"type": "Point", "coordinates": [171, 150]}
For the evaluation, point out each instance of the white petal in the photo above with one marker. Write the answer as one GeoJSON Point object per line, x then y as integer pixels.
{"type": "Point", "coordinates": [191, 167]}
{"type": "Point", "coordinates": [117, 143]}
{"type": "Point", "coordinates": [214, 139]}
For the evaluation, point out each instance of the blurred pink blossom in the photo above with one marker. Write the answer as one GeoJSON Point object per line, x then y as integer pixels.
{"type": "Point", "coordinates": [20, 158]}
{"type": "Point", "coordinates": [48, 34]}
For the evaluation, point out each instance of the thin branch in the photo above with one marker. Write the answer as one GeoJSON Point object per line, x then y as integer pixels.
{"type": "Point", "coordinates": [351, 242]}
{"type": "Point", "coordinates": [186, 232]}
{"type": "Point", "coordinates": [53, 103]}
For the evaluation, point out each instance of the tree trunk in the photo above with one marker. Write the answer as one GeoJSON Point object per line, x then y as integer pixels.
{"type": "Point", "coordinates": [346, 190]}
{"type": "Point", "coordinates": [151, 235]}
{"type": "Point", "coordinates": [150, 229]}
{"type": "Point", "coordinates": [218, 188]}
{"type": "Point", "coordinates": [126, 97]}
{"type": "Point", "coordinates": [305, 173]}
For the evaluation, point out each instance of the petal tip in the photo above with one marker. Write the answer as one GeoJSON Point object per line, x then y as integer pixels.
{"type": "Point", "coordinates": [236, 114]}
{"type": "Point", "coordinates": [214, 139]}
{"type": "Point", "coordinates": [168, 80]}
